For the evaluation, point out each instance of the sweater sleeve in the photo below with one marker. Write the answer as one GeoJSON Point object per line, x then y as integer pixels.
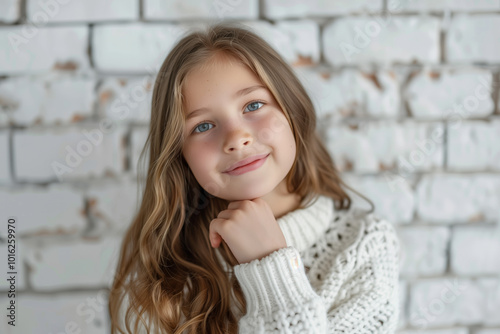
{"type": "Point", "coordinates": [361, 299]}
{"type": "Point", "coordinates": [279, 297]}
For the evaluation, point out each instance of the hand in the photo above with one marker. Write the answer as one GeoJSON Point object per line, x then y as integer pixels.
{"type": "Point", "coordinates": [249, 229]}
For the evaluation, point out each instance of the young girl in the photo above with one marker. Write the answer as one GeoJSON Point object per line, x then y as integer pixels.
{"type": "Point", "coordinates": [244, 225]}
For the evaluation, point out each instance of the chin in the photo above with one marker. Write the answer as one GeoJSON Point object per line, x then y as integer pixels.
{"type": "Point", "coordinates": [243, 195]}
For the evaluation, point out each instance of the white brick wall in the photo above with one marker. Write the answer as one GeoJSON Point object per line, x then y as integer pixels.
{"type": "Point", "coordinates": [32, 48]}
{"type": "Point", "coordinates": [474, 250]}
{"type": "Point", "coordinates": [352, 92]}
{"type": "Point", "coordinates": [75, 312]}
{"type": "Point", "coordinates": [407, 96]}
{"type": "Point", "coordinates": [112, 205]}
{"type": "Point", "coordinates": [280, 9]}
{"type": "Point", "coordinates": [424, 251]}
{"type": "Point", "coordinates": [393, 196]}
{"type": "Point", "coordinates": [66, 265]}
{"type": "Point", "coordinates": [47, 100]}
{"type": "Point", "coordinates": [474, 145]}
{"type": "Point", "coordinates": [457, 198]}
{"type": "Point", "coordinates": [473, 38]}
{"type": "Point", "coordinates": [440, 302]}
{"type": "Point", "coordinates": [442, 5]}
{"type": "Point", "coordinates": [69, 153]}
{"type": "Point", "coordinates": [82, 10]}
{"type": "Point", "coordinates": [182, 10]}
{"type": "Point", "coordinates": [56, 210]}
{"type": "Point", "coordinates": [450, 94]}
{"type": "Point", "coordinates": [380, 145]}
{"type": "Point", "coordinates": [382, 39]}
{"type": "Point", "coordinates": [125, 99]}
{"type": "Point", "coordinates": [9, 10]}
{"type": "Point", "coordinates": [132, 47]}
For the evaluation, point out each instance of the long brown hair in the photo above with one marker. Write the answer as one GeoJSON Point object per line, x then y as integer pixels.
{"type": "Point", "coordinates": [168, 270]}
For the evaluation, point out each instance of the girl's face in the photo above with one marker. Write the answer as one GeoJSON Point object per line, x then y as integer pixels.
{"type": "Point", "coordinates": [239, 118]}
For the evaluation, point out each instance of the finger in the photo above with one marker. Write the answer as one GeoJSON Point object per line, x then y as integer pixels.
{"type": "Point", "coordinates": [214, 236]}
{"type": "Point", "coordinates": [257, 200]}
{"type": "Point", "coordinates": [217, 242]}
{"type": "Point", "coordinates": [225, 214]}
{"type": "Point", "coordinates": [234, 205]}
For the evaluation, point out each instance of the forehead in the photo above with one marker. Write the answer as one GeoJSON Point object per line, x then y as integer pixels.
{"type": "Point", "coordinates": [218, 80]}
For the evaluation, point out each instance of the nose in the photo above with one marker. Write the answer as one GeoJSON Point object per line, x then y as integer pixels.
{"type": "Point", "coordinates": [237, 139]}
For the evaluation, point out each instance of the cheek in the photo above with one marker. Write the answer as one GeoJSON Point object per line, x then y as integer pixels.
{"type": "Point", "coordinates": [274, 128]}
{"type": "Point", "coordinates": [285, 137]}
{"type": "Point", "coordinates": [199, 158]}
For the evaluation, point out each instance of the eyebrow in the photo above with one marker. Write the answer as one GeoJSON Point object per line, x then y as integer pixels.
{"type": "Point", "coordinates": [241, 92]}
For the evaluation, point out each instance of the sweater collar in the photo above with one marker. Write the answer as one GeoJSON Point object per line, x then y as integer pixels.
{"type": "Point", "coordinates": [302, 227]}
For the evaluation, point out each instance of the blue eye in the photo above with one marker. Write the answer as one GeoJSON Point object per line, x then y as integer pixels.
{"type": "Point", "coordinates": [203, 125]}
{"type": "Point", "coordinates": [200, 125]}
{"type": "Point", "coordinates": [253, 103]}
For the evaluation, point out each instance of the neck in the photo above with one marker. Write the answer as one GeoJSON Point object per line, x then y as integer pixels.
{"type": "Point", "coordinates": [281, 201]}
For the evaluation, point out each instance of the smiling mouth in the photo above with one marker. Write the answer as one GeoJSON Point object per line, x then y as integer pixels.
{"type": "Point", "coordinates": [248, 167]}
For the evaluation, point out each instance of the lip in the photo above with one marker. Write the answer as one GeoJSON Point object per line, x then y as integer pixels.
{"type": "Point", "coordinates": [247, 164]}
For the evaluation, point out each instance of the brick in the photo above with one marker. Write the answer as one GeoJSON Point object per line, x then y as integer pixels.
{"type": "Point", "coordinates": [283, 40]}
{"type": "Point", "coordinates": [55, 210]}
{"type": "Point", "coordinates": [450, 94]}
{"type": "Point", "coordinates": [70, 153]}
{"type": "Point", "coordinates": [475, 249]}
{"type": "Point", "coordinates": [4, 157]}
{"type": "Point", "coordinates": [304, 35]}
{"type": "Point", "coordinates": [20, 99]}
{"type": "Point", "coordinates": [75, 264]}
{"type": "Point", "coordinates": [82, 10]}
{"type": "Point", "coordinates": [473, 39]}
{"type": "Point", "coordinates": [126, 99]}
{"type": "Point", "coordinates": [458, 198]}
{"type": "Point", "coordinates": [146, 46]}
{"type": "Point", "coordinates": [446, 301]}
{"type": "Point", "coordinates": [443, 5]}
{"type": "Point", "coordinates": [393, 203]}
{"type": "Point", "coordinates": [352, 92]}
{"type": "Point", "coordinates": [19, 268]}
{"type": "Point", "coordinates": [279, 9]}
{"type": "Point", "coordinates": [137, 141]}
{"type": "Point", "coordinates": [485, 291]}
{"type": "Point", "coordinates": [214, 10]}
{"type": "Point", "coordinates": [473, 145]}
{"type": "Point", "coordinates": [28, 48]}
{"type": "Point", "coordinates": [112, 205]}
{"type": "Point", "coordinates": [69, 312]}
{"type": "Point", "coordinates": [47, 99]}
{"type": "Point", "coordinates": [10, 11]}
{"type": "Point", "coordinates": [490, 288]}
{"type": "Point", "coordinates": [379, 39]}
{"type": "Point", "coordinates": [383, 145]}
{"type": "Point", "coordinates": [423, 251]}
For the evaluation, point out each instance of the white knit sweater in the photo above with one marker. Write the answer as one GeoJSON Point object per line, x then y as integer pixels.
{"type": "Point", "coordinates": [338, 274]}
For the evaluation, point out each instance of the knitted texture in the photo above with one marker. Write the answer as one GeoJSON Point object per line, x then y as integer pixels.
{"type": "Point", "coordinates": [338, 274]}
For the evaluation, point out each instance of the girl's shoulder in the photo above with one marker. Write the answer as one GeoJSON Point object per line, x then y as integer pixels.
{"type": "Point", "coordinates": [360, 223]}
{"type": "Point", "coordinates": [351, 236]}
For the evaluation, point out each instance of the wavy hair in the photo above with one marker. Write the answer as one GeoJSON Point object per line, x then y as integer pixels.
{"type": "Point", "coordinates": [168, 277]}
